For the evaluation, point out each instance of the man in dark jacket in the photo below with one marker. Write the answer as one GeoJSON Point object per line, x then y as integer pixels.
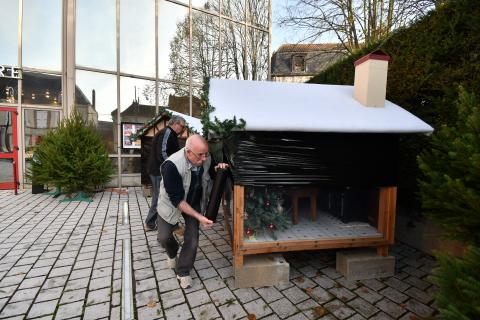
{"type": "Point", "coordinates": [164, 143]}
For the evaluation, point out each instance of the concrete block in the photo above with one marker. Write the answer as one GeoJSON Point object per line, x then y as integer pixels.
{"type": "Point", "coordinates": [363, 264]}
{"type": "Point", "coordinates": [262, 270]}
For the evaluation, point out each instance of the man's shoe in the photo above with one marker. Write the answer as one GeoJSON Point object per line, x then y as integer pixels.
{"type": "Point", "coordinates": [185, 282]}
{"type": "Point", "coordinates": [171, 263]}
{"type": "Point", "coordinates": [148, 228]}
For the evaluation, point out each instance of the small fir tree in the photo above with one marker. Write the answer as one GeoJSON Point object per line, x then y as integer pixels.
{"type": "Point", "coordinates": [73, 157]}
{"type": "Point", "coordinates": [264, 212]}
{"type": "Point", "coordinates": [450, 187]}
{"type": "Point", "coordinates": [450, 194]}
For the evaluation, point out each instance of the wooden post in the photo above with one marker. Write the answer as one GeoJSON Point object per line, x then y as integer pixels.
{"type": "Point", "coordinates": [238, 212]}
{"type": "Point", "coordinates": [386, 216]}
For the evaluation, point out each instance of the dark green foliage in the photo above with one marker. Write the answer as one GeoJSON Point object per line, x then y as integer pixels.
{"type": "Point", "coordinates": [429, 60]}
{"type": "Point", "coordinates": [73, 157]}
{"type": "Point", "coordinates": [450, 187]}
{"type": "Point", "coordinates": [217, 128]}
{"type": "Point", "coordinates": [265, 212]}
{"type": "Point", "coordinates": [459, 281]}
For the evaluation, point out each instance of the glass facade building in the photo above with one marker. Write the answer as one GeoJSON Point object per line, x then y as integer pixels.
{"type": "Point", "coordinates": [119, 61]}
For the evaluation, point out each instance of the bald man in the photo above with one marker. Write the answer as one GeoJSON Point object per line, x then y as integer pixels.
{"type": "Point", "coordinates": [186, 182]}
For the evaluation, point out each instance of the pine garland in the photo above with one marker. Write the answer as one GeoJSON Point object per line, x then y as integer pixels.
{"type": "Point", "coordinates": [264, 212]}
{"type": "Point", "coordinates": [220, 129]}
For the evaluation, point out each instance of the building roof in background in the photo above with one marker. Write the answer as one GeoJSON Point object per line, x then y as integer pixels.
{"type": "Point", "coordinates": [301, 47]}
{"type": "Point", "coordinates": [277, 106]}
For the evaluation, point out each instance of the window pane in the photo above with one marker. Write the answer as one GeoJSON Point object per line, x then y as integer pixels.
{"type": "Point", "coordinates": [42, 34]}
{"type": "Point", "coordinates": [233, 50]}
{"type": "Point", "coordinates": [42, 88]}
{"type": "Point", "coordinates": [257, 57]}
{"type": "Point", "coordinates": [137, 37]}
{"type": "Point", "coordinates": [137, 106]}
{"type": "Point", "coordinates": [258, 12]}
{"type": "Point", "coordinates": [95, 34]}
{"type": "Point", "coordinates": [131, 165]}
{"type": "Point", "coordinates": [174, 97]}
{"type": "Point", "coordinates": [36, 124]}
{"type": "Point", "coordinates": [9, 32]}
{"type": "Point", "coordinates": [6, 132]}
{"type": "Point", "coordinates": [96, 98]}
{"type": "Point", "coordinates": [205, 46]}
{"type": "Point", "coordinates": [234, 9]}
{"type": "Point", "coordinates": [173, 33]}
{"type": "Point", "coordinates": [213, 5]}
{"type": "Point", "coordinates": [8, 90]}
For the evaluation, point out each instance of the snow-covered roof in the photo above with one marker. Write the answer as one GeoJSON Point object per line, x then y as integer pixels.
{"type": "Point", "coordinates": [277, 106]}
{"type": "Point", "coordinates": [192, 122]}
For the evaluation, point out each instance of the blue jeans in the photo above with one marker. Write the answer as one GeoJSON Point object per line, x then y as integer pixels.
{"type": "Point", "coordinates": [151, 220]}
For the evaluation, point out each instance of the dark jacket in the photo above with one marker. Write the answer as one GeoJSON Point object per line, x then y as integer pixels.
{"type": "Point", "coordinates": [164, 144]}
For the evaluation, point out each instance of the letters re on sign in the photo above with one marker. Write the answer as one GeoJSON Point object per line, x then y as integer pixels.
{"type": "Point", "coordinates": [10, 72]}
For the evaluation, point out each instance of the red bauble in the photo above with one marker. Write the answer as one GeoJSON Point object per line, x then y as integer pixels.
{"type": "Point", "coordinates": [267, 203]}
{"type": "Point", "coordinates": [248, 232]}
{"type": "Point", "coordinates": [271, 226]}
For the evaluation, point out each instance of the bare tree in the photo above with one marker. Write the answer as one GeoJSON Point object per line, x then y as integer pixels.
{"type": "Point", "coordinates": [354, 23]}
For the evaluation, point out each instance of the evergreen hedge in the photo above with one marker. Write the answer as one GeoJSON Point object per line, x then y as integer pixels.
{"type": "Point", "coordinates": [429, 60]}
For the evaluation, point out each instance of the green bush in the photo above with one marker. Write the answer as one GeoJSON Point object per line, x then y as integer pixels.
{"type": "Point", "coordinates": [429, 60]}
{"type": "Point", "coordinates": [459, 281]}
{"type": "Point", "coordinates": [73, 157]}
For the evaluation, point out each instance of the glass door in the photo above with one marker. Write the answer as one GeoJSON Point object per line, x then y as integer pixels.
{"type": "Point", "coordinates": [8, 149]}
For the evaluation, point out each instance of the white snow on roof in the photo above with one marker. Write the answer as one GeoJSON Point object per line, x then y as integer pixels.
{"type": "Point", "coordinates": [192, 122]}
{"type": "Point", "coordinates": [277, 106]}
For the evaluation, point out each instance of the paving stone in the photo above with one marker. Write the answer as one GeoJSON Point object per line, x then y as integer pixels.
{"type": "Point", "coordinates": [36, 272]}
{"type": "Point", "coordinates": [80, 273]}
{"type": "Point", "coordinates": [342, 293]}
{"type": "Point", "coordinates": [331, 273]}
{"type": "Point", "coordinates": [214, 284]}
{"type": "Point", "coordinates": [419, 308]}
{"type": "Point", "coordinates": [77, 284]}
{"type": "Point", "coordinates": [368, 294]}
{"type": "Point", "coordinates": [102, 272]}
{"type": "Point", "coordinates": [83, 264]}
{"type": "Point", "coordinates": [420, 284]}
{"type": "Point", "coordinates": [172, 298]}
{"type": "Point", "coordinates": [320, 295]}
{"type": "Point", "coordinates": [363, 307]}
{"type": "Point", "coordinates": [55, 282]}
{"type": "Point", "coordinates": [97, 296]}
{"type": "Point", "coordinates": [165, 274]}
{"type": "Point", "coordinates": [283, 308]}
{"type": "Point", "coordinates": [168, 285]}
{"type": "Point", "coordinates": [420, 295]}
{"type": "Point", "coordinates": [381, 316]}
{"type": "Point", "coordinates": [207, 273]}
{"type": "Point", "coordinates": [180, 312]}
{"type": "Point", "coordinates": [246, 294]}
{"type": "Point", "coordinates": [146, 284]}
{"type": "Point", "coordinates": [75, 295]}
{"type": "Point", "coordinates": [339, 309]}
{"type": "Point", "coordinates": [298, 316]}
{"type": "Point", "coordinates": [225, 272]}
{"type": "Point", "coordinates": [232, 311]}
{"type": "Point", "coordinates": [12, 280]}
{"type": "Point", "coordinates": [258, 307]}
{"type": "Point", "coordinates": [295, 295]}
{"type": "Point", "coordinates": [97, 311]}
{"type": "Point", "coordinates": [373, 284]}
{"type": "Point", "coordinates": [269, 294]}
{"type": "Point", "coordinates": [206, 311]}
{"type": "Point", "coordinates": [32, 282]}
{"type": "Point", "coordinates": [390, 308]}
{"type": "Point", "coordinates": [394, 295]}
{"type": "Point", "coordinates": [49, 294]}
{"type": "Point", "coordinates": [7, 291]}
{"type": "Point", "coordinates": [198, 298]}
{"type": "Point", "coordinates": [146, 297]}
{"type": "Point", "coordinates": [150, 313]}
{"type": "Point", "coordinates": [42, 308]}
{"type": "Point", "coordinates": [220, 263]}
{"type": "Point", "coordinates": [144, 273]}
{"type": "Point", "coordinates": [222, 296]}
{"type": "Point", "coordinates": [397, 284]}
{"type": "Point", "coordinates": [202, 264]}
{"type": "Point", "coordinates": [19, 270]}
{"type": "Point", "coordinates": [99, 283]}
{"type": "Point", "coordinates": [25, 294]}
{"type": "Point", "coordinates": [16, 308]}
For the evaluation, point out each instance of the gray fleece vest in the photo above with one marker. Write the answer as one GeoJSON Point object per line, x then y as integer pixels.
{"type": "Point", "coordinates": [166, 210]}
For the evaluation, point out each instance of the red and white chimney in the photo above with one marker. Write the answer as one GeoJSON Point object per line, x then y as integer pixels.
{"type": "Point", "coordinates": [370, 84]}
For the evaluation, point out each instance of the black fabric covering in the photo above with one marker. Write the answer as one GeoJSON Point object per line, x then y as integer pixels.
{"type": "Point", "coordinates": [303, 158]}
{"type": "Point", "coordinates": [216, 194]}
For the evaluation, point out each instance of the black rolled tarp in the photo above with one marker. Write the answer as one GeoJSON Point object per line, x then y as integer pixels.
{"type": "Point", "coordinates": [259, 158]}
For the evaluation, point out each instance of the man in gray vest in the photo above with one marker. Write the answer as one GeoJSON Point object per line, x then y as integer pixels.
{"type": "Point", "coordinates": [184, 190]}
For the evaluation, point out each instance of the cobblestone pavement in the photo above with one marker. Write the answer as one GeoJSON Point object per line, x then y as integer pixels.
{"type": "Point", "coordinates": [63, 260]}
